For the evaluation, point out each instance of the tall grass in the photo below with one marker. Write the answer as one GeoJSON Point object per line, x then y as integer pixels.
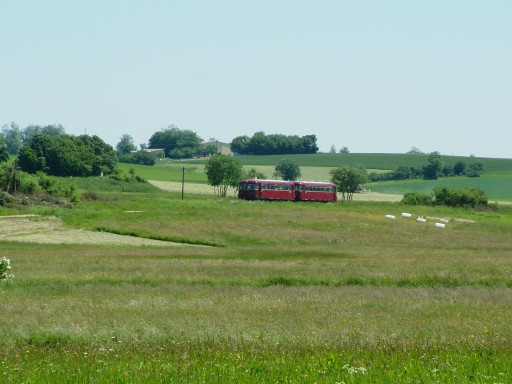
{"type": "Point", "coordinates": [298, 292]}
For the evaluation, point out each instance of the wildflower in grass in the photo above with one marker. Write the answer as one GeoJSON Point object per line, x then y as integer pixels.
{"type": "Point", "coordinates": [355, 370]}
{"type": "Point", "coordinates": [5, 267]}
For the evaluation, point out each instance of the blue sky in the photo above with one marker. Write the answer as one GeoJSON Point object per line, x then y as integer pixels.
{"type": "Point", "coordinates": [374, 76]}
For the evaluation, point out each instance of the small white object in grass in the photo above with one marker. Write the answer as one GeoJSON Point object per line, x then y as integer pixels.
{"type": "Point", "coordinates": [406, 215]}
{"type": "Point", "coordinates": [390, 217]}
{"type": "Point", "coordinates": [421, 220]}
{"type": "Point", "coordinates": [440, 225]}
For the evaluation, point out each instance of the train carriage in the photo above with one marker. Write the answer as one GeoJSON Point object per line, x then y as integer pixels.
{"type": "Point", "coordinates": [256, 189]}
{"type": "Point", "coordinates": [315, 191]}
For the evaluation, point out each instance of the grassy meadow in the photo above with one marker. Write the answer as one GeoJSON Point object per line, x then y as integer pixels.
{"type": "Point", "coordinates": [260, 292]}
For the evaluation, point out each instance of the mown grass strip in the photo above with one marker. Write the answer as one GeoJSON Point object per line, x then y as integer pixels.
{"type": "Point", "coordinates": [171, 239]}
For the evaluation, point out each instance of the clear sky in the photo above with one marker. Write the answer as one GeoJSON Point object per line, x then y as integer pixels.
{"type": "Point", "coordinates": [374, 76]}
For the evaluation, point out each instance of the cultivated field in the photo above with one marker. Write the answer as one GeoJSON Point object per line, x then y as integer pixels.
{"type": "Point", "coordinates": [275, 292]}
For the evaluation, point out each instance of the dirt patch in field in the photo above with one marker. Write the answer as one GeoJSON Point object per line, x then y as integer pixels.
{"type": "Point", "coordinates": [50, 230]}
{"type": "Point", "coordinates": [202, 189]}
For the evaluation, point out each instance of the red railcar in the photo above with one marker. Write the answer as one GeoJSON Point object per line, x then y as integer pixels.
{"type": "Point", "coordinates": [256, 189]}
{"type": "Point", "coordinates": [314, 191]}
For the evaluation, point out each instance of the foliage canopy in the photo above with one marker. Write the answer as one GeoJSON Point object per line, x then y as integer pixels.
{"type": "Point", "coordinates": [288, 169]}
{"type": "Point", "coordinates": [176, 143]}
{"type": "Point", "coordinates": [275, 144]}
{"type": "Point", "coordinates": [223, 172]}
{"type": "Point", "coordinates": [67, 155]}
{"type": "Point", "coordinates": [348, 180]}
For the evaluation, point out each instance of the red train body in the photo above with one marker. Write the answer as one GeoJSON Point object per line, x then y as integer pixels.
{"type": "Point", "coordinates": [256, 189]}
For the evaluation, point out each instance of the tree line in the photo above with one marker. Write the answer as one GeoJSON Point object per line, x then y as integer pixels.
{"type": "Point", "coordinates": [274, 144]}
{"type": "Point", "coordinates": [434, 169]}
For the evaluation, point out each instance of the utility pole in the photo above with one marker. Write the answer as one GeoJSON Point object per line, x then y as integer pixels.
{"type": "Point", "coordinates": [183, 183]}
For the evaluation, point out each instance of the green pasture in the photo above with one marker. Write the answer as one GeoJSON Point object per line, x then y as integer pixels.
{"type": "Point", "coordinates": [261, 292]}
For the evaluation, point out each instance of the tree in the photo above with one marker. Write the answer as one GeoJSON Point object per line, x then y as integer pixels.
{"type": "Point", "coordinates": [125, 145]}
{"type": "Point", "coordinates": [239, 145]}
{"type": "Point", "coordinates": [12, 137]}
{"type": "Point", "coordinates": [348, 180]}
{"type": "Point", "coordinates": [458, 168]}
{"type": "Point", "coordinates": [288, 169]}
{"type": "Point", "coordinates": [333, 149]}
{"type": "Point", "coordinates": [434, 167]}
{"type": "Point", "coordinates": [223, 172]}
{"type": "Point", "coordinates": [176, 143]}
{"type": "Point", "coordinates": [344, 150]}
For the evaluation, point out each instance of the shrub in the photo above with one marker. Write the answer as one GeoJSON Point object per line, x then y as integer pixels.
{"type": "Point", "coordinates": [417, 198]}
{"type": "Point", "coordinates": [460, 198]}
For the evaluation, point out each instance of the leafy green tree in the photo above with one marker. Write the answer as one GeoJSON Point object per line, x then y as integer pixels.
{"type": "Point", "coordinates": [125, 145]}
{"type": "Point", "coordinates": [288, 169]}
{"type": "Point", "coordinates": [458, 168]}
{"type": "Point", "coordinates": [348, 180]}
{"type": "Point", "coordinates": [176, 143]}
{"type": "Point", "coordinates": [223, 172]}
{"type": "Point", "coordinates": [240, 145]}
{"type": "Point", "coordinates": [434, 167]}
{"type": "Point", "coordinates": [333, 149]}
{"type": "Point", "coordinates": [12, 137]}
{"type": "Point", "coordinates": [344, 150]}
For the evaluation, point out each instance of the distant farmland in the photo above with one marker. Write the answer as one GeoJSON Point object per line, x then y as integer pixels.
{"type": "Point", "coordinates": [496, 180]}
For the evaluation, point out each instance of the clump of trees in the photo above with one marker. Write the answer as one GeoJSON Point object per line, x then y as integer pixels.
{"type": "Point", "coordinates": [176, 143]}
{"type": "Point", "coordinates": [274, 144]}
{"type": "Point", "coordinates": [435, 168]}
{"type": "Point", "coordinates": [67, 155]}
{"type": "Point", "coordinates": [471, 197]}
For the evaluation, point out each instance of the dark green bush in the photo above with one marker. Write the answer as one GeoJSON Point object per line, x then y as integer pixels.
{"type": "Point", "coordinates": [417, 198]}
{"type": "Point", "coordinates": [460, 197]}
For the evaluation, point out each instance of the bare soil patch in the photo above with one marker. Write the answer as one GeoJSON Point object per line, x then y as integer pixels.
{"type": "Point", "coordinates": [50, 230]}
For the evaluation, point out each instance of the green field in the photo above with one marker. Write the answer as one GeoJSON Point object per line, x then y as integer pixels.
{"type": "Point", "coordinates": [285, 292]}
